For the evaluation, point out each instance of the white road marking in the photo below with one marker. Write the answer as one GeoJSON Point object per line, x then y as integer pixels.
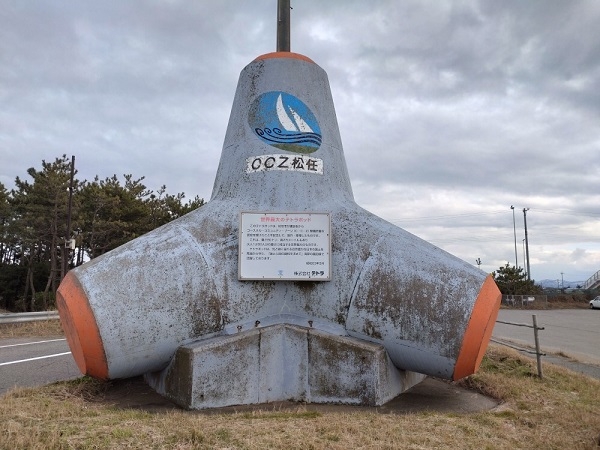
{"type": "Point", "coordinates": [30, 343]}
{"type": "Point", "coordinates": [33, 359]}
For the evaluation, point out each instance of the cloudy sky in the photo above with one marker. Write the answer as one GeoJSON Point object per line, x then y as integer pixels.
{"type": "Point", "coordinates": [450, 111]}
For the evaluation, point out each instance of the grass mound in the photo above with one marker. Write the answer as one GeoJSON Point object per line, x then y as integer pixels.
{"type": "Point", "coordinates": [557, 412]}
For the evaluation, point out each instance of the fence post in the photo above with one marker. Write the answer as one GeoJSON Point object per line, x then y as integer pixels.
{"type": "Point", "coordinates": [538, 355]}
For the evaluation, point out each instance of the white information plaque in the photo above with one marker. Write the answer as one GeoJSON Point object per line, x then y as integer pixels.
{"type": "Point", "coordinates": [285, 246]}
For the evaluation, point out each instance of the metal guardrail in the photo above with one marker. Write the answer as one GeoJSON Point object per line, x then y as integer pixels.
{"type": "Point", "coordinates": [28, 317]}
{"type": "Point", "coordinates": [524, 301]}
{"type": "Point", "coordinates": [593, 281]}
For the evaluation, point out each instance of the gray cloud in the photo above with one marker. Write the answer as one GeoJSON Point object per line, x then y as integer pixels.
{"type": "Point", "coordinates": [449, 111]}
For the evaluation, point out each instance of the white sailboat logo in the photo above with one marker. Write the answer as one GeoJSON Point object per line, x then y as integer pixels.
{"type": "Point", "coordinates": [283, 121]}
{"type": "Point", "coordinates": [289, 124]}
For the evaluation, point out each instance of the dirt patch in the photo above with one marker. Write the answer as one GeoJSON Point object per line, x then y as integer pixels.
{"type": "Point", "coordinates": [40, 328]}
{"type": "Point", "coordinates": [132, 393]}
{"type": "Point", "coordinates": [430, 395]}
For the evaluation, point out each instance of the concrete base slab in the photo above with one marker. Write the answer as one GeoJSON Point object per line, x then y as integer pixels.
{"type": "Point", "coordinates": [278, 363]}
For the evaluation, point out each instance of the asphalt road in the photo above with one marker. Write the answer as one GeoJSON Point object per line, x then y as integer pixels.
{"type": "Point", "coordinates": [29, 362]}
{"type": "Point", "coordinates": [573, 332]}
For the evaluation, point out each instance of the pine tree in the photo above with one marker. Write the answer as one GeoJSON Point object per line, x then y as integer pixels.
{"type": "Point", "coordinates": [512, 280]}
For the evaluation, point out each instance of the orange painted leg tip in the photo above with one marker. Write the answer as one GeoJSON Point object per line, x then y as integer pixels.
{"type": "Point", "coordinates": [479, 329]}
{"type": "Point", "coordinates": [80, 327]}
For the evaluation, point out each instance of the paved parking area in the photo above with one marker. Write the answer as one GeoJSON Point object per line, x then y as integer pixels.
{"type": "Point", "coordinates": [571, 332]}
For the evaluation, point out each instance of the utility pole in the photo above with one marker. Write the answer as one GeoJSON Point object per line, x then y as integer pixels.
{"type": "Point", "coordinates": [515, 233]}
{"type": "Point", "coordinates": [283, 25]}
{"type": "Point", "coordinates": [526, 243]}
{"type": "Point", "coordinates": [523, 244]}
{"type": "Point", "coordinates": [67, 243]}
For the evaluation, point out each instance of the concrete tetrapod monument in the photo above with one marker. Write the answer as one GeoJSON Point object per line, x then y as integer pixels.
{"type": "Point", "coordinates": [281, 287]}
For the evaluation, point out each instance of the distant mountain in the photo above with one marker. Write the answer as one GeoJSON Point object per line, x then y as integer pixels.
{"type": "Point", "coordinates": [557, 284]}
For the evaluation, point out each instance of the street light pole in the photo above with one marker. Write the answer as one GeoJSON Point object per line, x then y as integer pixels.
{"type": "Point", "coordinates": [515, 233]}
{"type": "Point", "coordinates": [526, 243]}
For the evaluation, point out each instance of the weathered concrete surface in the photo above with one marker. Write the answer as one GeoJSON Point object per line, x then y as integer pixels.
{"type": "Point", "coordinates": [278, 363]}
{"type": "Point", "coordinates": [128, 311]}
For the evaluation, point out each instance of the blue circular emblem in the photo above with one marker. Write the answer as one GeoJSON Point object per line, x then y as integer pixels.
{"type": "Point", "coordinates": [284, 121]}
